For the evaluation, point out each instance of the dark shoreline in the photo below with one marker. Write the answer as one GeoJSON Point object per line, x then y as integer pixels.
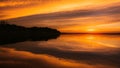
{"type": "Point", "coordinates": [10, 33]}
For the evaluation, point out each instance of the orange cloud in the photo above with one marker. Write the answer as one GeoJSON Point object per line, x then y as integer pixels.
{"type": "Point", "coordinates": [19, 8]}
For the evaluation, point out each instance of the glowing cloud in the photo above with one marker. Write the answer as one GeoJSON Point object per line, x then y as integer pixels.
{"type": "Point", "coordinates": [91, 30]}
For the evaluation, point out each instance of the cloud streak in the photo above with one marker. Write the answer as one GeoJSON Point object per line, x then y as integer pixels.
{"type": "Point", "coordinates": [67, 16]}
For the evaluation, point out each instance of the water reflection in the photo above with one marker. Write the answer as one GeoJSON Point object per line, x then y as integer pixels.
{"type": "Point", "coordinates": [67, 51]}
{"type": "Point", "coordinates": [94, 43]}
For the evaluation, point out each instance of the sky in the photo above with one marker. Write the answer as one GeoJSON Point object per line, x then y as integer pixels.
{"type": "Point", "coordinates": [72, 16]}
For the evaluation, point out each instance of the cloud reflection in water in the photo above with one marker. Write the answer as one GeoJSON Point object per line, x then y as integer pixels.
{"type": "Point", "coordinates": [68, 51]}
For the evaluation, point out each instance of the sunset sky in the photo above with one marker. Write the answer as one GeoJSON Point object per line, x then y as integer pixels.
{"type": "Point", "coordinates": [65, 15]}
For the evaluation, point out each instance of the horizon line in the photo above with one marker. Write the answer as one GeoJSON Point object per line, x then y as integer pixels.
{"type": "Point", "coordinates": [93, 33]}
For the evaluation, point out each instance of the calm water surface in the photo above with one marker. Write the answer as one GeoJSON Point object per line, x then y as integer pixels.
{"type": "Point", "coordinates": [67, 51]}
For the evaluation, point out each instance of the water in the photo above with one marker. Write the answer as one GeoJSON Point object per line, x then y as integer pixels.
{"type": "Point", "coordinates": [67, 51]}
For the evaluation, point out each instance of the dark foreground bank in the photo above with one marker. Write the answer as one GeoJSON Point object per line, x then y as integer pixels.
{"type": "Point", "coordinates": [10, 33]}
